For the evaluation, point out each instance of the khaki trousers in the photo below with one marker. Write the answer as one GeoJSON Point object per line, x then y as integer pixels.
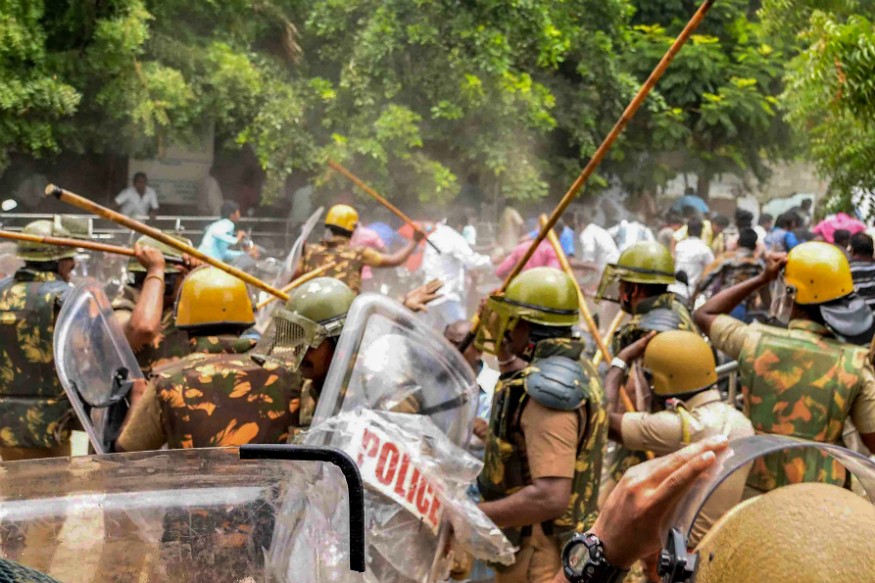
{"type": "Point", "coordinates": [13, 454]}
{"type": "Point", "coordinates": [537, 561]}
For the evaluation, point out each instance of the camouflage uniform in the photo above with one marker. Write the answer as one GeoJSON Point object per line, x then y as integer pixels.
{"type": "Point", "coordinates": [216, 396]}
{"type": "Point", "coordinates": [506, 465]}
{"type": "Point", "coordinates": [349, 260]}
{"type": "Point", "coordinates": [630, 331]}
{"type": "Point", "coordinates": [171, 342]}
{"type": "Point", "coordinates": [33, 405]}
{"type": "Point", "coordinates": [800, 382]}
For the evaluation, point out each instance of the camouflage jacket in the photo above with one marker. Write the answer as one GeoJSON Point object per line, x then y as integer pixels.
{"type": "Point", "coordinates": [33, 405]}
{"type": "Point", "coordinates": [348, 260]}
{"type": "Point", "coordinates": [630, 331]}
{"type": "Point", "coordinates": [171, 342]}
{"type": "Point", "coordinates": [799, 382]}
{"type": "Point", "coordinates": [506, 465]}
{"type": "Point", "coordinates": [218, 396]}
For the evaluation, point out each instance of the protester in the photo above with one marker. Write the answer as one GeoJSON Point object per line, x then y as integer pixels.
{"type": "Point", "coordinates": [733, 268]}
{"type": "Point", "coordinates": [782, 238]}
{"type": "Point", "coordinates": [719, 225]}
{"type": "Point", "coordinates": [863, 267]}
{"type": "Point", "coordinates": [763, 227]}
{"type": "Point", "coordinates": [451, 265]}
{"type": "Point", "coordinates": [597, 248]}
{"type": "Point", "coordinates": [673, 223]}
{"type": "Point", "coordinates": [630, 232]}
{"type": "Point", "coordinates": [692, 256]}
{"type": "Point", "coordinates": [138, 200]}
{"type": "Point", "coordinates": [689, 214]}
{"type": "Point", "coordinates": [544, 256]}
{"type": "Point", "coordinates": [827, 228]}
{"type": "Point", "coordinates": [220, 236]}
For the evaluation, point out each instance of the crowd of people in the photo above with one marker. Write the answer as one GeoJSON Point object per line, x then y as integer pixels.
{"type": "Point", "coordinates": [790, 302]}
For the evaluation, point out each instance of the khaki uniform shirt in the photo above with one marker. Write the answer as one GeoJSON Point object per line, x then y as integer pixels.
{"type": "Point", "coordinates": [551, 440]}
{"type": "Point", "coordinates": [663, 433]}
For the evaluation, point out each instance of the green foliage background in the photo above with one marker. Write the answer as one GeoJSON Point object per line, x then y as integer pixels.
{"type": "Point", "coordinates": [416, 95]}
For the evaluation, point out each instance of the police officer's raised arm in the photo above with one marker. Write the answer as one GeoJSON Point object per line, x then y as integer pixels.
{"type": "Point", "coordinates": [728, 299]}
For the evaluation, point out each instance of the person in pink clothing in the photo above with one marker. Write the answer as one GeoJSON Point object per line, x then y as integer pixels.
{"type": "Point", "coordinates": [544, 256]}
{"type": "Point", "coordinates": [828, 227]}
{"type": "Point", "coordinates": [365, 237]}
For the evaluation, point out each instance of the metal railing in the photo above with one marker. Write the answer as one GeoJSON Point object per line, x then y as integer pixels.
{"type": "Point", "coordinates": [275, 235]}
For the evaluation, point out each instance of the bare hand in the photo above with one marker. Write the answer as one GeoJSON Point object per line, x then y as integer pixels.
{"type": "Point", "coordinates": [775, 262]}
{"type": "Point", "coordinates": [634, 515]}
{"type": "Point", "coordinates": [254, 252]}
{"type": "Point", "coordinates": [635, 350]}
{"type": "Point", "coordinates": [241, 235]}
{"type": "Point", "coordinates": [419, 235]}
{"type": "Point", "coordinates": [417, 299]}
{"type": "Point", "coordinates": [189, 263]}
{"type": "Point", "coordinates": [150, 258]}
{"type": "Point", "coordinates": [481, 427]}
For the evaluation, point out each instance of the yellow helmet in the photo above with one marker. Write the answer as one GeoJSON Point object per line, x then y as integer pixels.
{"type": "Point", "coordinates": [818, 272]}
{"type": "Point", "coordinates": [794, 534]}
{"type": "Point", "coordinates": [680, 362]}
{"type": "Point", "coordinates": [342, 216]}
{"type": "Point", "coordinates": [211, 297]}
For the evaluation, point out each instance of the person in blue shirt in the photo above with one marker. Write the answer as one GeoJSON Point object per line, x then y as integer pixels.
{"type": "Point", "coordinates": [223, 234]}
{"type": "Point", "coordinates": [566, 236]}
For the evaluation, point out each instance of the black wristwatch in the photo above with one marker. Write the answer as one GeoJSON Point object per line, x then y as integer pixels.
{"type": "Point", "coordinates": [583, 561]}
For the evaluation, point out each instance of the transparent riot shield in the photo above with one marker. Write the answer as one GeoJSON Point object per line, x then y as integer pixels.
{"type": "Point", "coordinates": [287, 269]}
{"type": "Point", "coordinates": [187, 516]}
{"type": "Point", "coordinates": [400, 400]}
{"type": "Point", "coordinates": [679, 563]}
{"type": "Point", "coordinates": [95, 363]}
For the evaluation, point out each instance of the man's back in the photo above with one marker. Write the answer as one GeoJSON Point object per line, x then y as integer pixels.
{"type": "Point", "coordinates": [223, 398]}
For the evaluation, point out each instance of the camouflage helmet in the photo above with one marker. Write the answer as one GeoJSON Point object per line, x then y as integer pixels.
{"type": "Point", "coordinates": [801, 532]}
{"type": "Point", "coordinates": [544, 295]}
{"type": "Point", "coordinates": [30, 251]}
{"type": "Point", "coordinates": [167, 250]}
{"type": "Point", "coordinates": [78, 227]}
{"type": "Point", "coordinates": [647, 262]}
{"type": "Point", "coordinates": [313, 313]}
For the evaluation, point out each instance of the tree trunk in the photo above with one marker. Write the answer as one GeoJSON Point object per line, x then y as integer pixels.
{"type": "Point", "coordinates": [703, 186]}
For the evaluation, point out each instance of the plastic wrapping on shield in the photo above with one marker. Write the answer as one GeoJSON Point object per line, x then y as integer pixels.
{"type": "Point", "coordinates": [188, 516]}
{"type": "Point", "coordinates": [416, 483]}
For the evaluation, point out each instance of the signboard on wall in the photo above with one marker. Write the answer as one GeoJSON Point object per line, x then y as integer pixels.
{"type": "Point", "coordinates": [176, 174]}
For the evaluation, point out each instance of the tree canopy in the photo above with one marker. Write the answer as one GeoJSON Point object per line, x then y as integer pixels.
{"type": "Point", "coordinates": [417, 96]}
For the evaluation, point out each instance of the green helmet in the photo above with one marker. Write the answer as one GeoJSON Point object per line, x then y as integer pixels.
{"type": "Point", "coordinates": [647, 262]}
{"type": "Point", "coordinates": [167, 250]}
{"type": "Point", "coordinates": [30, 251]}
{"type": "Point", "coordinates": [314, 312]}
{"type": "Point", "coordinates": [543, 296]}
{"type": "Point", "coordinates": [78, 227]}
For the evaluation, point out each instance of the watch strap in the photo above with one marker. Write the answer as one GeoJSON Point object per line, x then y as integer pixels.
{"type": "Point", "coordinates": [619, 363]}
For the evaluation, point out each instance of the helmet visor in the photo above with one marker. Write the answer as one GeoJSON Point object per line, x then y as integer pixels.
{"type": "Point", "coordinates": [496, 320]}
{"type": "Point", "coordinates": [288, 338]}
{"type": "Point", "coordinates": [609, 286]}
{"type": "Point", "coordinates": [783, 298]}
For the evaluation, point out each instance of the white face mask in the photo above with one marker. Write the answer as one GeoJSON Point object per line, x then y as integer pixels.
{"type": "Point", "coordinates": [783, 298]}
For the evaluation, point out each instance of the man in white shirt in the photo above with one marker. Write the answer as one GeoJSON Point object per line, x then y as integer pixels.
{"type": "Point", "coordinates": [451, 267]}
{"type": "Point", "coordinates": [597, 248]}
{"type": "Point", "coordinates": [138, 200]}
{"type": "Point", "coordinates": [628, 233]}
{"type": "Point", "coordinates": [691, 256]}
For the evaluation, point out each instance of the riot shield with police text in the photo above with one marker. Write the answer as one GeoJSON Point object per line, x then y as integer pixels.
{"type": "Point", "coordinates": [95, 363]}
{"type": "Point", "coordinates": [400, 400]}
{"type": "Point", "coordinates": [187, 516]}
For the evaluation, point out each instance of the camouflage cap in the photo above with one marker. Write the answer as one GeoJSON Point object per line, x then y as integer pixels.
{"type": "Point", "coordinates": [167, 250]}
{"type": "Point", "coordinates": [30, 251]}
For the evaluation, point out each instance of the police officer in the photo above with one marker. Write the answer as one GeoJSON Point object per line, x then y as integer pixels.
{"type": "Point", "coordinates": [217, 395]}
{"type": "Point", "coordinates": [145, 308]}
{"type": "Point", "coordinates": [639, 282]}
{"type": "Point", "coordinates": [805, 380]}
{"type": "Point", "coordinates": [34, 412]}
{"type": "Point", "coordinates": [687, 408]}
{"type": "Point", "coordinates": [548, 428]}
{"type": "Point", "coordinates": [340, 223]}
